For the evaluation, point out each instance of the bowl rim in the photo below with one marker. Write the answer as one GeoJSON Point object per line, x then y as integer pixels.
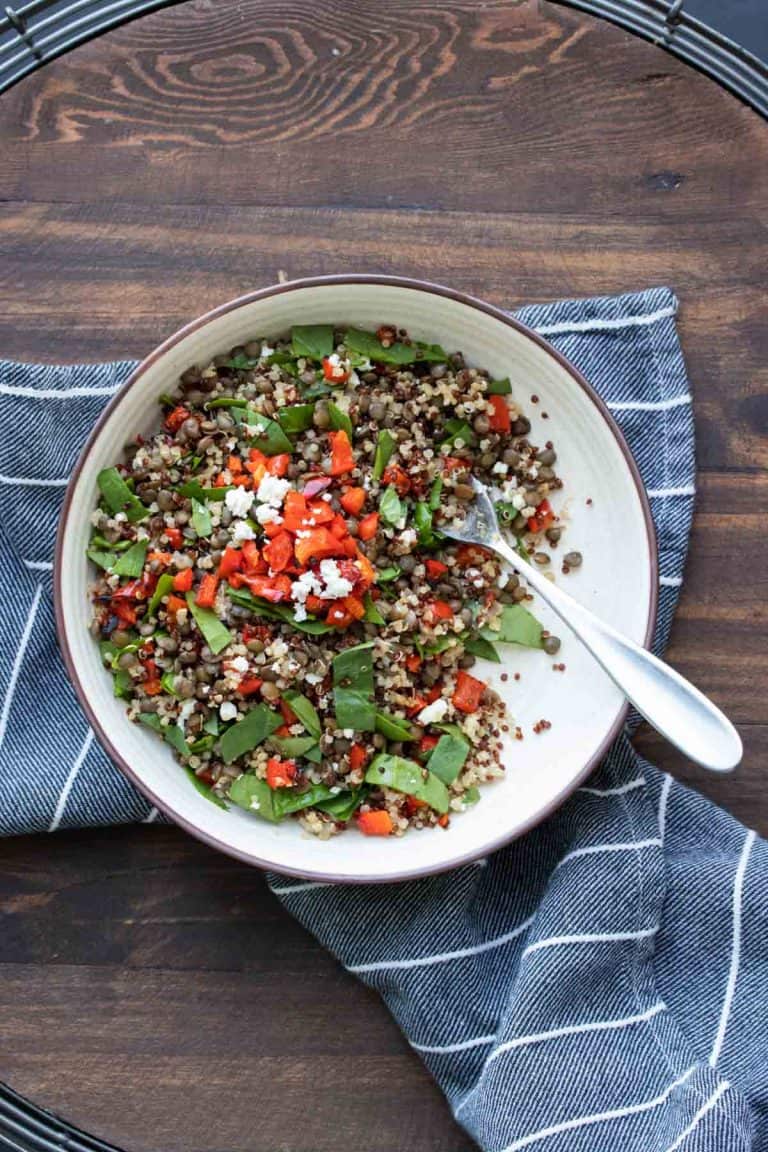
{"type": "Point", "coordinates": [424, 286]}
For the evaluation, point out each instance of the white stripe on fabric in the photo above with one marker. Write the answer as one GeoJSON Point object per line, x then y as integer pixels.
{"type": "Point", "coordinates": [630, 787]}
{"type": "Point", "coordinates": [670, 581]}
{"type": "Point", "coordinates": [32, 482]}
{"type": "Point", "coordinates": [55, 393]}
{"type": "Point", "coordinates": [151, 816]}
{"type": "Point", "coordinates": [442, 957]}
{"type": "Point", "coordinates": [666, 788]}
{"type": "Point", "coordinates": [588, 938]}
{"type": "Point", "coordinates": [17, 663]}
{"type": "Point", "coordinates": [599, 1117]}
{"type": "Point", "coordinates": [460, 1046]}
{"type": "Point", "coordinates": [608, 325]}
{"type": "Point", "coordinates": [39, 565]}
{"type": "Point", "coordinates": [600, 849]}
{"type": "Point", "coordinates": [720, 1091]}
{"type": "Point", "coordinates": [62, 801]}
{"type": "Point", "coordinates": [664, 493]}
{"type": "Point", "coordinates": [733, 971]}
{"type": "Point", "coordinates": [557, 1034]}
{"type": "Point", "coordinates": [649, 405]}
{"type": "Point", "coordinates": [311, 884]}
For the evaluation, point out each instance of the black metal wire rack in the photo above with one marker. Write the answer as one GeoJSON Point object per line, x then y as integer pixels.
{"type": "Point", "coordinates": [35, 32]}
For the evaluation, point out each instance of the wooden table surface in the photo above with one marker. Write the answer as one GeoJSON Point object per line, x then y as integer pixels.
{"type": "Point", "coordinates": [152, 990]}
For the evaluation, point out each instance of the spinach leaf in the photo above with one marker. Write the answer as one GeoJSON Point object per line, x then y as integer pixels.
{"type": "Point", "coordinates": [118, 497]}
{"type": "Point", "coordinates": [255, 796]}
{"type": "Point", "coordinates": [458, 430]}
{"type": "Point", "coordinates": [205, 789]}
{"type": "Point", "coordinates": [312, 341]}
{"type": "Point", "coordinates": [171, 733]}
{"type": "Point", "coordinates": [163, 587]}
{"type": "Point", "coordinates": [201, 519]}
{"type": "Point", "coordinates": [216, 634]}
{"type": "Point", "coordinates": [105, 560]}
{"type": "Point", "coordinates": [131, 563]}
{"type": "Point", "coordinates": [297, 418]}
{"type": "Point", "coordinates": [287, 800]}
{"type": "Point", "coordinates": [278, 612]}
{"type": "Point", "coordinates": [316, 390]}
{"type": "Point", "coordinates": [453, 730]}
{"type": "Point", "coordinates": [211, 725]}
{"type": "Point", "coordinates": [470, 797]}
{"type": "Point", "coordinates": [435, 491]}
{"type": "Point", "coordinates": [441, 644]}
{"type": "Point", "coordinates": [372, 614]}
{"type": "Point", "coordinates": [259, 723]}
{"type": "Point", "coordinates": [480, 646]}
{"type": "Point", "coordinates": [101, 545]}
{"type": "Point", "coordinates": [108, 651]}
{"type": "Point", "coordinates": [168, 680]}
{"type": "Point", "coordinates": [305, 710]}
{"type": "Point", "coordinates": [344, 805]}
{"type": "Point", "coordinates": [193, 491]}
{"type": "Point", "coordinates": [391, 507]}
{"type": "Point", "coordinates": [368, 344]}
{"type": "Point", "coordinates": [518, 626]}
{"type": "Point", "coordinates": [448, 758]}
{"type": "Point", "coordinates": [353, 688]}
{"type": "Point", "coordinates": [122, 683]}
{"type": "Point", "coordinates": [523, 552]}
{"type": "Point", "coordinates": [340, 421]}
{"type": "Point", "coordinates": [422, 518]}
{"type": "Point", "coordinates": [228, 401]}
{"type": "Point", "coordinates": [407, 776]}
{"type": "Point", "coordinates": [293, 747]}
{"type": "Point", "coordinates": [385, 446]}
{"type": "Point", "coordinates": [385, 575]}
{"type": "Point", "coordinates": [393, 727]}
{"type": "Point", "coordinates": [499, 387]}
{"type": "Point", "coordinates": [271, 439]}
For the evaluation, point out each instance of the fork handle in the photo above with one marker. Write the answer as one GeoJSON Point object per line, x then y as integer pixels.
{"type": "Point", "coordinates": [665, 698]}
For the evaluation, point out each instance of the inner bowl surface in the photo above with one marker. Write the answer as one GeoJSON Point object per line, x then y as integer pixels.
{"type": "Point", "coordinates": [618, 579]}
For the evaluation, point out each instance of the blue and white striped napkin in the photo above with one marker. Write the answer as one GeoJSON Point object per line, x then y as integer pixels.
{"type": "Point", "coordinates": [600, 985]}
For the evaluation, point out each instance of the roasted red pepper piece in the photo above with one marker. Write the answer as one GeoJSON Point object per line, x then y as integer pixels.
{"type": "Point", "coordinates": [468, 692]}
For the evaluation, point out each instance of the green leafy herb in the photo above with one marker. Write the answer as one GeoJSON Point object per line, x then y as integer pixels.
{"type": "Point", "coordinates": [131, 563]}
{"type": "Point", "coordinates": [391, 507]}
{"type": "Point", "coordinates": [315, 391]}
{"type": "Point", "coordinates": [458, 430]}
{"type": "Point", "coordinates": [288, 800]}
{"type": "Point", "coordinates": [211, 725]}
{"type": "Point", "coordinates": [453, 730]}
{"type": "Point", "coordinates": [523, 552]}
{"type": "Point", "coordinates": [499, 387]}
{"type": "Point", "coordinates": [393, 728]}
{"type": "Point", "coordinates": [118, 497]}
{"type": "Point", "coordinates": [255, 796]}
{"type": "Point", "coordinates": [385, 575]}
{"type": "Point", "coordinates": [368, 344]}
{"type": "Point", "coordinates": [293, 747]}
{"type": "Point", "coordinates": [407, 776]}
{"type": "Point", "coordinates": [271, 439]}
{"type": "Point", "coordinates": [479, 646]}
{"type": "Point", "coordinates": [205, 789]}
{"type": "Point", "coordinates": [340, 421]}
{"type": "Point", "coordinates": [101, 545]}
{"type": "Point", "coordinates": [470, 797]}
{"type": "Point", "coordinates": [122, 683]}
{"type": "Point", "coordinates": [372, 614]}
{"type": "Point", "coordinates": [297, 418]}
{"type": "Point", "coordinates": [259, 723]}
{"type": "Point", "coordinates": [305, 710]}
{"type": "Point", "coordinates": [201, 519]}
{"type": "Point", "coordinates": [278, 612]}
{"type": "Point", "coordinates": [353, 688]}
{"type": "Point", "coordinates": [441, 644]}
{"type": "Point", "coordinates": [422, 518]}
{"type": "Point", "coordinates": [168, 681]}
{"type": "Point", "coordinates": [105, 560]}
{"type": "Point", "coordinates": [163, 588]}
{"type": "Point", "coordinates": [226, 401]}
{"type": "Point", "coordinates": [216, 635]}
{"type": "Point", "coordinates": [344, 805]}
{"type": "Point", "coordinates": [171, 733]}
{"type": "Point", "coordinates": [518, 626]}
{"type": "Point", "coordinates": [385, 446]}
{"type": "Point", "coordinates": [435, 492]}
{"type": "Point", "coordinates": [448, 758]}
{"type": "Point", "coordinates": [312, 341]}
{"type": "Point", "coordinates": [193, 491]}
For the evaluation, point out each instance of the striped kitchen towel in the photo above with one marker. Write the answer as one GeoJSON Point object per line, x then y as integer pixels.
{"type": "Point", "coordinates": [599, 986]}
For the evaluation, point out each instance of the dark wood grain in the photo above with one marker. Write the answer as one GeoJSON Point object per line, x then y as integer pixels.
{"type": "Point", "coordinates": [154, 991]}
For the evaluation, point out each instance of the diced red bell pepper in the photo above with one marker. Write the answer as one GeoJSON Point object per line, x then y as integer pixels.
{"type": "Point", "coordinates": [354, 606]}
{"type": "Point", "coordinates": [433, 693]}
{"type": "Point", "coordinates": [176, 418]}
{"type": "Point", "coordinates": [279, 552]}
{"type": "Point", "coordinates": [124, 610]}
{"type": "Point", "coordinates": [471, 555]}
{"type": "Point", "coordinates": [435, 568]}
{"type": "Point", "coordinates": [358, 756]}
{"type": "Point", "coordinates": [342, 459]}
{"type": "Point", "coordinates": [338, 615]}
{"type": "Point", "coordinates": [162, 559]}
{"type": "Point", "coordinates": [440, 610]}
{"type": "Point", "coordinates": [287, 712]}
{"type": "Point", "coordinates": [257, 469]}
{"type": "Point", "coordinates": [153, 687]}
{"type": "Point", "coordinates": [278, 465]}
{"type": "Point", "coordinates": [283, 732]}
{"type": "Point", "coordinates": [252, 557]}
{"type": "Point", "coordinates": [416, 705]}
{"type": "Point", "coordinates": [543, 518]}
{"type": "Point", "coordinates": [249, 685]}
{"type": "Point", "coordinates": [367, 570]}
{"type": "Point", "coordinates": [316, 604]}
{"type": "Point", "coordinates": [235, 465]}
{"type": "Point", "coordinates": [427, 743]}
{"type": "Point", "coordinates": [174, 536]}
{"type": "Point", "coordinates": [318, 545]}
{"type": "Point", "coordinates": [413, 662]}
{"type": "Point", "coordinates": [182, 581]}
{"type": "Point", "coordinates": [206, 593]}
{"type": "Point", "coordinates": [398, 478]}
{"type": "Point", "coordinates": [412, 805]}
{"type": "Point", "coordinates": [375, 822]}
{"type": "Point", "coordinates": [174, 605]}
{"type": "Point", "coordinates": [468, 692]}
{"type": "Point", "coordinates": [320, 511]}
{"type": "Point", "coordinates": [368, 526]}
{"type": "Point", "coordinates": [221, 481]}
{"type": "Point", "coordinates": [334, 372]}
{"type": "Point", "coordinates": [338, 527]}
{"type": "Point", "coordinates": [231, 561]}
{"type": "Point", "coordinates": [451, 463]}
{"type": "Point", "coordinates": [275, 589]}
{"type": "Point", "coordinates": [499, 419]}
{"type": "Point", "coordinates": [280, 773]}
{"type": "Point", "coordinates": [352, 501]}
{"type": "Point", "coordinates": [348, 546]}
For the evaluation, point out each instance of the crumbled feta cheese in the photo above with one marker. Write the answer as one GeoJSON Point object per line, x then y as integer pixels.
{"type": "Point", "coordinates": [499, 468]}
{"type": "Point", "coordinates": [313, 678]}
{"type": "Point", "coordinates": [240, 664]}
{"type": "Point", "coordinates": [267, 515]}
{"type": "Point", "coordinates": [348, 732]}
{"type": "Point", "coordinates": [228, 711]}
{"type": "Point", "coordinates": [336, 585]}
{"type": "Point", "coordinates": [434, 712]}
{"type": "Point", "coordinates": [300, 613]}
{"type": "Point", "coordinates": [528, 511]}
{"type": "Point", "coordinates": [272, 490]}
{"type": "Point", "coordinates": [239, 501]}
{"type": "Point", "coordinates": [266, 350]}
{"type": "Point", "coordinates": [304, 586]}
{"type": "Point", "coordinates": [242, 531]}
{"type": "Point", "coordinates": [277, 648]}
{"type": "Point", "coordinates": [503, 579]}
{"type": "Point", "coordinates": [185, 712]}
{"type": "Point", "coordinates": [518, 501]}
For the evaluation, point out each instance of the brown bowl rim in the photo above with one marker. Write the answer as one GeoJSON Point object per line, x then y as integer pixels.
{"type": "Point", "coordinates": [262, 294]}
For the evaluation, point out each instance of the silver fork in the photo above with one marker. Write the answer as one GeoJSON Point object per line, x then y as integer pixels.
{"type": "Point", "coordinates": [669, 702]}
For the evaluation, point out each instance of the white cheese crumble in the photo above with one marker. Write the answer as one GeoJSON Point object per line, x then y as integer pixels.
{"type": "Point", "coordinates": [434, 712]}
{"type": "Point", "coordinates": [272, 490]}
{"type": "Point", "coordinates": [265, 514]}
{"type": "Point", "coordinates": [313, 678]}
{"type": "Point", "coordinates": [500, 468]}
{"type": "Point", "coordinates": [228, 711]}
{"type": "Point", "coordinates": [518, 501]}
{"type": "Point", "coordinates": [336, 585]}
{"type": "Point", "coordinates": [240, 664]}
{"type": "Point", "coordinates": [300, 613]}
{"type": "Point", "coordinates": [185, 712]}
{"type": "Point", "coordinates": [239, 501]}
{"type": "Point", "coordinates": [242, 531]}
{"type": "Point", "coordinates": [266, 350]}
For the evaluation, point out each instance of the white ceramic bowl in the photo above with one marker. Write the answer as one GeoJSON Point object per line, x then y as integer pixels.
{"type": "Point", "coordinates": [618, 579]}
